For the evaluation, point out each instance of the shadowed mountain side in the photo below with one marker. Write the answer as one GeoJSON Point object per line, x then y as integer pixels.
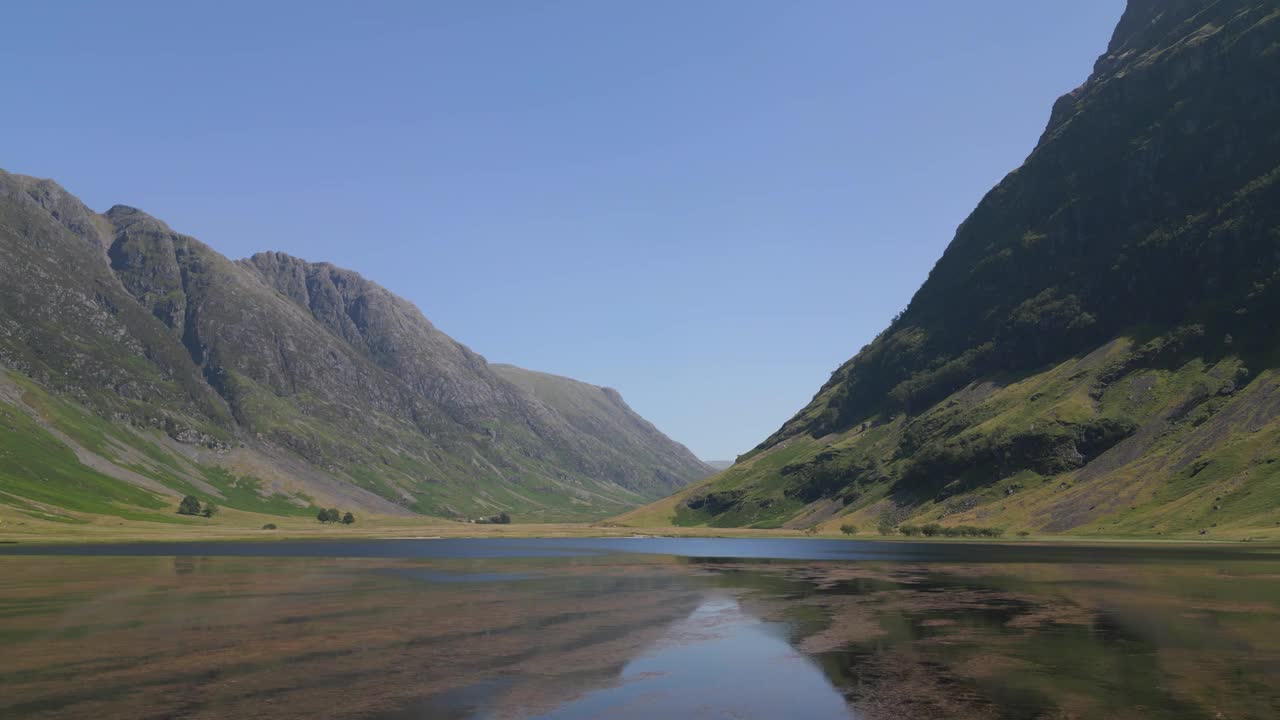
{"type": "Point", "coordinates": [1095, 351]}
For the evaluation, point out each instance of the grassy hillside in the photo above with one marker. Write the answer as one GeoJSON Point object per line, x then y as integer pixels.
{"type": "Point", "coordinates": [139, 364]}
{"type": "Point", "coordinates": [1169, 450]}
{"type": "Point", "coordinates": [602, 414]}
{"type": "Point", "coordinates": [1095, 350]}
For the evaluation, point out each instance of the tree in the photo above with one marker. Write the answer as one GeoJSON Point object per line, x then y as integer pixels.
{"type": "Point", "coordinates": [931, 529]}
{"type": "Point", "coordinates": [332, 515]}
{"type": "Point", "coordinates": [190, 505]}
{"type": "Point", "coordinates": [502, 518]}
{"type": "Point", "coordinates": [849, 529]}
{"type": "Point", "coordinates": [348, 519]}
{"type": "Point", "coordinates": [322, 515]}
{"type": "Point", "coordinates": [209, 510]}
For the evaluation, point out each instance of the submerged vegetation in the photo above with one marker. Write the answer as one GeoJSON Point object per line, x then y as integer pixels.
{"type": "Point", "coordinates": [1092, 635]}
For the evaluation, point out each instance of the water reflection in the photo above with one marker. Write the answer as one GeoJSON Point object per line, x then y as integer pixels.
{"type": "Point", "coordinates": [550, 635]}
{"type": "Point", "coordinates": [718, 662]}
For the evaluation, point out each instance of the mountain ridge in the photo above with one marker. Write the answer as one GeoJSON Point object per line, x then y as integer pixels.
{"type": "Point", "coordinates": [601, 413]}
{"type": "Point", "coordinates": [304, 372]}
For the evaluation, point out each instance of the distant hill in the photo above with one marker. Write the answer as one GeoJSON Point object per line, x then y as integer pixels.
{"type": "Point", "coordinates": [137, 365]}
{"type": "Point", "coordinates": [719, 465]}
{"type": "Point", "coordinates": [1096, 350]}
{"type": "Point", "coordinates": [602, 414]}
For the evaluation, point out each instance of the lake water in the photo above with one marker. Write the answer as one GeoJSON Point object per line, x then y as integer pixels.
{"type": "Point", "coordinates": [637, 628]}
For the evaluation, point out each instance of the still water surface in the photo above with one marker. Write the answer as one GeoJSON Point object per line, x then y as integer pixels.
{"type": "Point", "coordinates": [637, 628]}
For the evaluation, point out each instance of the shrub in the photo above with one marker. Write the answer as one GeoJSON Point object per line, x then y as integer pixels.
{"type": "Point", "coordinates": [209, 510]}
{"type": "Point", "coordinates": [348, 519]}
{"type": "Point", "coordinates": [190, 505]}
{"type": "Point", "coordinates": [931, 529]}
{"type": "Point", "coordinates": [269, 526]}
{"type": "Point", "coordinates": [909, 530]}
{"type": "Point", "coordinates": [849, 529]}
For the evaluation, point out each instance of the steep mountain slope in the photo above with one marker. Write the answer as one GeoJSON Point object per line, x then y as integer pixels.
{"type": "Point", "coordinates": [602, 414]}
{"type": "Point", "coordinates": [269, 383]}
{"type": "Point", "coordinates": [1095, 350]}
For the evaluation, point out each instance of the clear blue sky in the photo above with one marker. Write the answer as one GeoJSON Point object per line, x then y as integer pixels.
{"type": "Point", "coordinates": [707, 204]}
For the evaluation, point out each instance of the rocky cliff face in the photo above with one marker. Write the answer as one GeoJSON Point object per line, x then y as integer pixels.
{"type": "Point", "coordinates": [302, 372]}
{"type": "Point", "coordinates": [1119, 285]}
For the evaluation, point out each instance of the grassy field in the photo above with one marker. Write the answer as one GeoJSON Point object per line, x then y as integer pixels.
{"type": "Point", "coordinates": [236, 525]}
{"type": "Point", "coordinates": [231, 524]}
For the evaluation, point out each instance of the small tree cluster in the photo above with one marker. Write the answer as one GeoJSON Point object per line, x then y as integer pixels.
{"type": "Point", "coordinates": [501, 518]}
{"type": "Point", "coordinates": [328, 515]}
{"type": "Point", "coordinates": [934, 529]}
{"type": "Point", "coordinates": [190, 505]}
{"type": "Point", "coordinates": [971, 531]}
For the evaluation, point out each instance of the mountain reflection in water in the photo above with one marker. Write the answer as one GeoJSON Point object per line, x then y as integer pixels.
{"type": "Point", "coordinates": [539, 629]}
{"type": "Point", "coordinates": [718, 662]}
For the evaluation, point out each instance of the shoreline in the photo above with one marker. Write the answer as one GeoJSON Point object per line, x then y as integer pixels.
{"type": "Point", "coordinates": [574, 531]}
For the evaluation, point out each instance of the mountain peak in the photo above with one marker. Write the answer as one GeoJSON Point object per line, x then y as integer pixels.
{"type": "Point", "coordinates": [62, 206]}
{"type": "Point", "coordinates": [125, 216]}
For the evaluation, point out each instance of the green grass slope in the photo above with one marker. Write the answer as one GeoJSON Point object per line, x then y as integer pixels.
{"type": "Point", "coordinates": [1098, 444]}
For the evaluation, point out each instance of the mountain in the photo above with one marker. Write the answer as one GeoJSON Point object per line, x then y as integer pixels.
{"type": "Point", "coordinates": [137, 364]}
{"type": "Point", "coordinates": [1095, 351]}
{"type": "Point", "coordinates": [719, 464]}
{"type": "Point", "coordinates": [602, 414]}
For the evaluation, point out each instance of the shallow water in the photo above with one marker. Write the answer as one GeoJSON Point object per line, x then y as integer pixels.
{"type": "Point", "coordinates": [637, 628]}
